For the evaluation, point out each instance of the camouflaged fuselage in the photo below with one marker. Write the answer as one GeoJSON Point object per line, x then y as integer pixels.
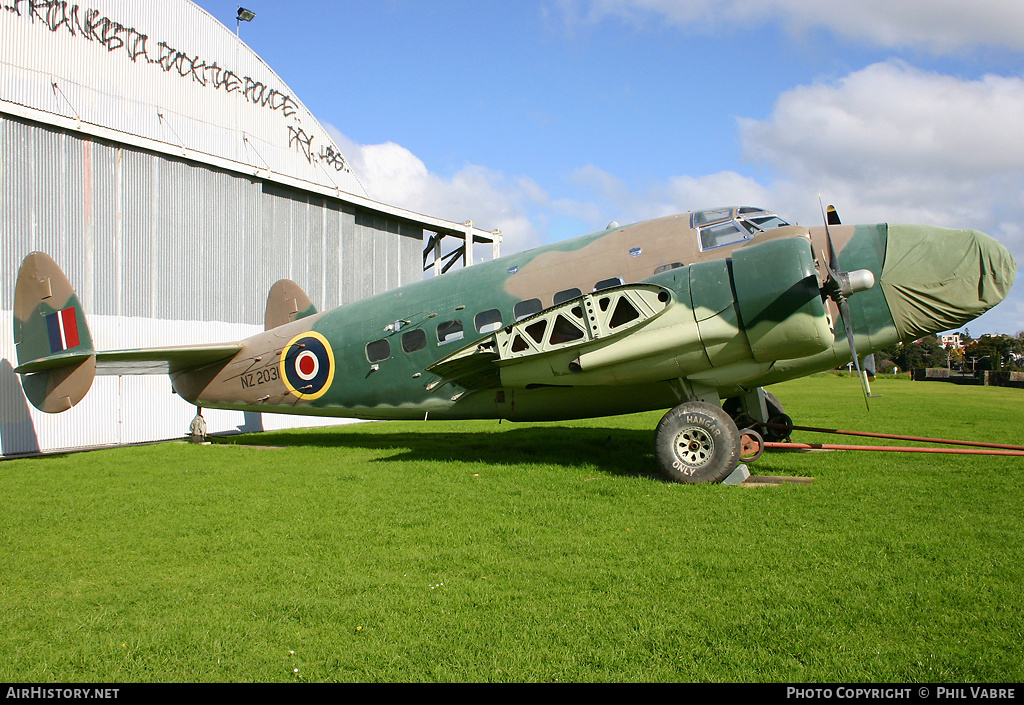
{"type": "Point", "coordinates": [725, 320]}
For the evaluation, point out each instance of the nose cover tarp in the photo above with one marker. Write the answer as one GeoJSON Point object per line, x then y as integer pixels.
{"type": "Point", "coordinates": [938, 279]}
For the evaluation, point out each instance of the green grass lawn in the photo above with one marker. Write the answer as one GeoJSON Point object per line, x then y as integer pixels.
{"type": "Point", "coordinates": [475, 551]}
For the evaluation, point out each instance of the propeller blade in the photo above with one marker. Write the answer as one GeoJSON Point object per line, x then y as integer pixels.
{"type": "Point", "coordinates": [839, 285]}
{"type": "Point", "coordinates": [844, 311]}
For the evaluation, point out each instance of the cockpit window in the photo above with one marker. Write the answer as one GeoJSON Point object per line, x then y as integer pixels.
{"type": "Point", "coordinates": [722, 234]}
{"type": "Point", "coordinates": [766, 222]}
{"type": "Point", "coordinates": [719, 227]}
{"type": "Point", "coordinates": [712, 215]}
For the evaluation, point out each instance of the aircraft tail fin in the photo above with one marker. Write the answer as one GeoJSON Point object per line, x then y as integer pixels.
{"type": "Point", "coordinates": [286, 302]}
{"type": "Point", "coordinates": [55, 352]}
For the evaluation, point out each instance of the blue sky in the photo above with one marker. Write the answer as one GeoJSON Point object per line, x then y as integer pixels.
{"type": "Point", "coordinates": [550, 118]}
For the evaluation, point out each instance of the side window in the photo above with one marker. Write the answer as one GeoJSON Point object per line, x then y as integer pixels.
{"type": "Point", "coordinates": [608, 283]}
{"type": "Point", "coordinates": [449, 331]}
{"type": "Point", "coordinates": [665, 267]}
{"type": "Point", "coordinates": [525, 309]}
{"type": "Point", "coordinates": [566, 295]}
{"type": "Point", "coordinates": [378, 350]}
{"type": "Point", "coordinates": [414, 340]}
{"type": "Point", "coordinates": [487, 321]}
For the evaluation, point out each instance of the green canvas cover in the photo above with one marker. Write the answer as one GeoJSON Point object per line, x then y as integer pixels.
{"type": "Point", "coordinates": [938, 279]}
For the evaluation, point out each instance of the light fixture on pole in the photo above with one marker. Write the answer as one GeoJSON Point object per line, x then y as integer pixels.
{"type": "Point", "coordinates": [243, 16]}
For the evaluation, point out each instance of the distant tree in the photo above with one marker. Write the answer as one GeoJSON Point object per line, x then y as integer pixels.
{"type": "Point", "coordinates": [885, 359]}
{"type": "Point", "coordinates": [926, 352]}
{"type": "Point", "coordinates": [956, 358]}
{"type": "Point", "coordinates": [995, 352]}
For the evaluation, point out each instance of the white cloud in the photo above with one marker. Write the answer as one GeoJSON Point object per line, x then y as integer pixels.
{"type": "Point", "coordinates": [392, 174]}
{"type": "Point", "coordinates": [933, 25]}
{"type": "Point", "coordinates": [889, 143]}
{"type": "Point", "coordinates": [897, 144]}
{"type": "Point", "coordinates": [893, 139]}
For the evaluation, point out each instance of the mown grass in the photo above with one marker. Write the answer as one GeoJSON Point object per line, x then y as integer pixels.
{"type": "Point", "coordinates": [532, 552]}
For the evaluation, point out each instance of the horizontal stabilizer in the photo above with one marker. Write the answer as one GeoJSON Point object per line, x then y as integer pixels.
{"type": "Point", "coordinates": [52, 362]}
{"type": "Point", "coordinates": [154, 361]}
{"type": "Point", "coordinates": [56, 358]}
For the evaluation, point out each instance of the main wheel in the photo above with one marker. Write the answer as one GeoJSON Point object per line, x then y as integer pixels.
{"type": "Point", "coordinates": [697, 442]}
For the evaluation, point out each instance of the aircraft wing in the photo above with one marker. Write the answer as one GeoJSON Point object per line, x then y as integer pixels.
{"type": "Point", "coordinates": [577, 323]}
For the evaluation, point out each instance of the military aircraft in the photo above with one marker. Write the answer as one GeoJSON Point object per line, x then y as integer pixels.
{"type": "Point", "coordinates": [679, 312]}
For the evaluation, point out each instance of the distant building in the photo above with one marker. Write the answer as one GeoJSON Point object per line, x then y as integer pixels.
{"type": "Point", "coordinates": [952, 340]}
{"type": "Point", "coordinates": [174, 177]}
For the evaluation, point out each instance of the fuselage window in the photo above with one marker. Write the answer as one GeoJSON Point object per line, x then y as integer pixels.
{"type": "Point", "coordinates": [566, 295]}
{"type": "Point", "coordinates": [487, 321]}
{"type": "Point", "coordinates": [525, 309]}
{"type": "Point", "coordinates": [449, 331]}
{"type": "Point", "coordinates": [414, 340]}
{"type": "Point", "coordinates": [608, 283]}
{"type": "Point", "coordinates": [665, 267]}
{"type": "Point", "coordinates": [378, 350]}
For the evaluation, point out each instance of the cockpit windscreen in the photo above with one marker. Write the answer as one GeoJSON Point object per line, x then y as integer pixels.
{"type": "Point", "coordinates": [719, 227]}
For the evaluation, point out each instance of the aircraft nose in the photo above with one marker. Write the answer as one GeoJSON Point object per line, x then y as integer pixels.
{"type": "Point", "coordinates": [937, 279]}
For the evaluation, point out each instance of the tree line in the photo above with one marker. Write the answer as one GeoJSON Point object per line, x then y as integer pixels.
{"type": "Point", "coordinates": [989, 352]}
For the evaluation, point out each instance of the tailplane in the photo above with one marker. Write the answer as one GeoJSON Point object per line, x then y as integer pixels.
{"type": "Point", "coordinates": [55, 352]}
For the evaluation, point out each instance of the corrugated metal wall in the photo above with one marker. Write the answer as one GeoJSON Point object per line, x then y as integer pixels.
{"type": "Point", "coordinates": [166, 73]}
{"type": "Point", "coordinates": [153, 243]}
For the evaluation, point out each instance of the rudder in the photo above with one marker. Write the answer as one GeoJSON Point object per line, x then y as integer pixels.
{"type": "Point", "coordinates": [286, 302]}
{"type": "Point", "coordinates": [56, 359]}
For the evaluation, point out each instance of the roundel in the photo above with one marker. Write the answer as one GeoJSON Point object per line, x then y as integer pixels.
{"type": "Point", "coordinates": [307, 365]}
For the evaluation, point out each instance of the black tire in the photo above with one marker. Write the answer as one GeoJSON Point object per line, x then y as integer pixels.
{"type": "Point", "coordinates": [776, 414]}
{"type": "Point", "coordinates": [697, 442]}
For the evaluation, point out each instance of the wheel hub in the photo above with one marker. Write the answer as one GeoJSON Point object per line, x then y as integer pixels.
{"type": "Point", "coordinates": [694, 446]}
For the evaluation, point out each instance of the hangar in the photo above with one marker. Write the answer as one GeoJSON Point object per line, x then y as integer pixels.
{"type": "Point", "coordinates": [174, 177]}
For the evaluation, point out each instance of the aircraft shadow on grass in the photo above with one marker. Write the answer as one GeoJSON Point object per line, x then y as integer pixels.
{"type": "Point", "coordinates": [614, 451]}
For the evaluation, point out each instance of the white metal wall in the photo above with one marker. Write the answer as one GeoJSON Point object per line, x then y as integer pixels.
{"type": "Point", "coordinates": [174, 177]}
{"type": "Point", "coordinates": [165, 251]}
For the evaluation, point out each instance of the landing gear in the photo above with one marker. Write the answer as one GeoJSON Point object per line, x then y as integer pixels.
{"type": "Point", "coordinates": [197, 429]}
{"type": "Point", "coordinates": [737, 408]}
{"type": "Point", "coordinates": [697, 442]}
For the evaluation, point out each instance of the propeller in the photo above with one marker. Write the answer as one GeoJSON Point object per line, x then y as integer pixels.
{"type": "Point", "coordinates": [839, 286]}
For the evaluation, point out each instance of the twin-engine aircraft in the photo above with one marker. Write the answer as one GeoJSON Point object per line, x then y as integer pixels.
{"type": "Point", "coordinates": [679, 312]}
